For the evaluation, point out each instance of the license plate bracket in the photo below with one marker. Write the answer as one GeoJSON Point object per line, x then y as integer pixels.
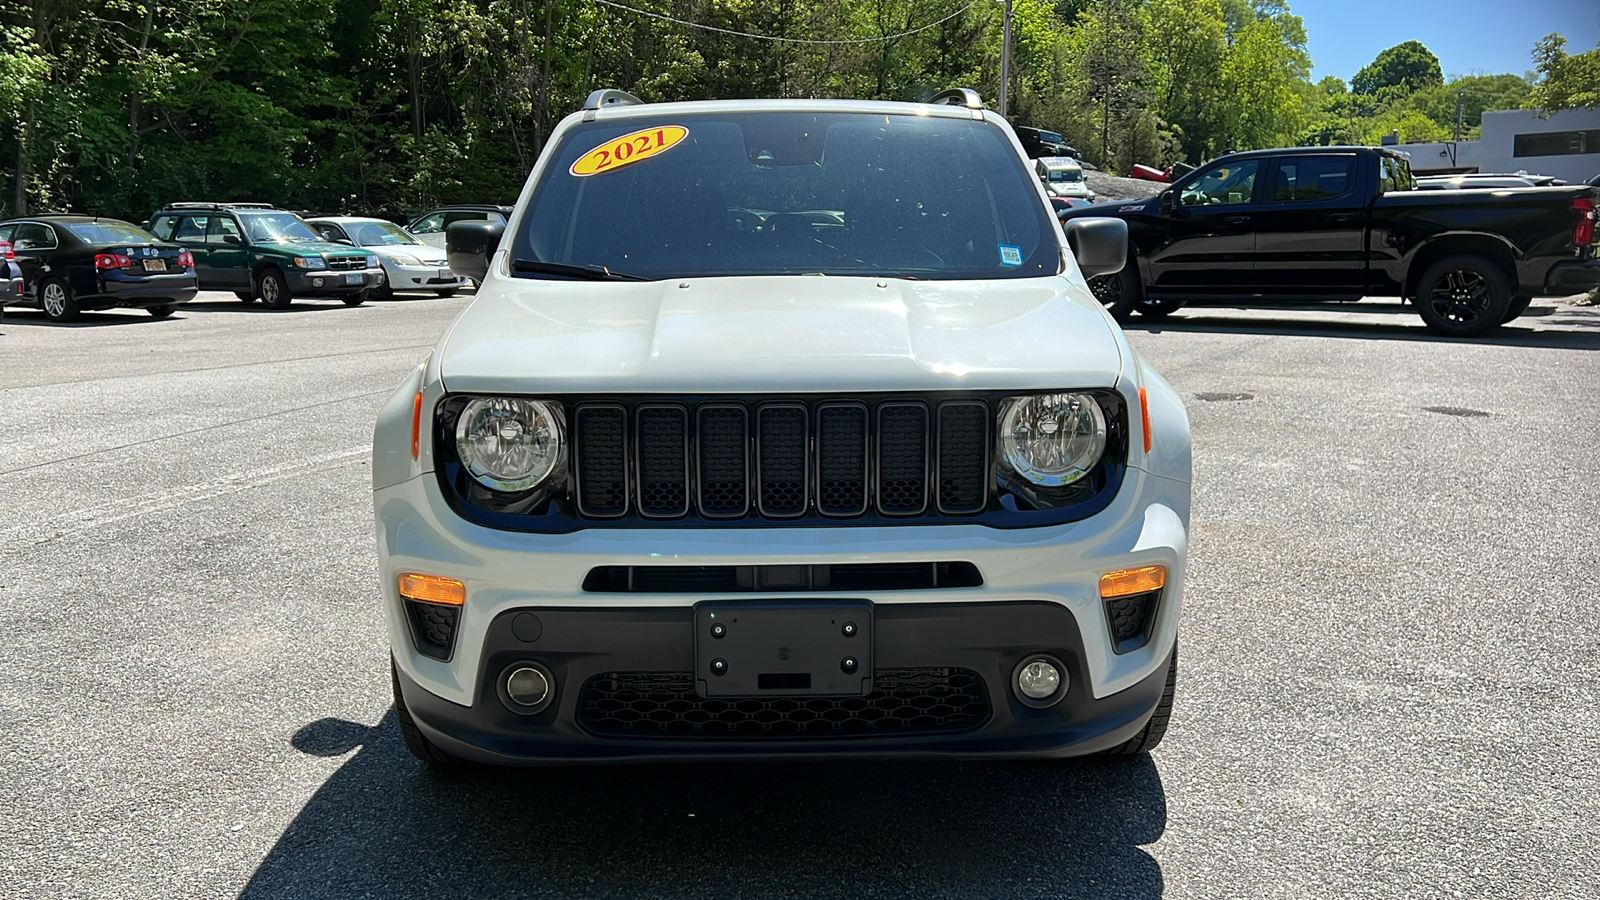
{"type": "Point", "coordinates": [355, 278]}
{"type": "Point", "coordinates": [783, 648]}
{"type": "Point", "coordinates": [155, 265]}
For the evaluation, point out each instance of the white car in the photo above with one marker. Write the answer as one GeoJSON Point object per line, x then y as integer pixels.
{"type": "Point", "coordinates": [408, 264]}
{"type": "Point", "coordinates": [687, 481]}
{"type": "Point", "coordinates": [1063, 177]}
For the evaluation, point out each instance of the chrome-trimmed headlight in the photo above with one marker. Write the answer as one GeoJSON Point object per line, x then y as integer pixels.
{"type": "Point", "coordinates": [310, 262]}
{"type": "Point", "coordinates": [1051, 440]}
{"type": "Point", "coordinates": [510, 444]}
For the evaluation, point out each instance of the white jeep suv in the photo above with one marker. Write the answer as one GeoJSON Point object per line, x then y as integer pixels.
{"type": "Point", "coordinates": [782, 428]}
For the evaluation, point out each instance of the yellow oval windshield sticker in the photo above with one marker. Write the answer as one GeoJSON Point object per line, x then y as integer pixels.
{"type": "Point", "coordinates": [629, 149]}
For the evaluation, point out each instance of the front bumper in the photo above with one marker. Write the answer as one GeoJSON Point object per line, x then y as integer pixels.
{"type": "Point", "coordinates": [422, 278]}
{"type": "Point", "coordinates": [583, 647]}
{"type": "Point", "coordinates": [1053, 570]}
{"type": "Point", "coordinates": [1572, 277]}
{"type": "Point", "coordinates": [329, 283]}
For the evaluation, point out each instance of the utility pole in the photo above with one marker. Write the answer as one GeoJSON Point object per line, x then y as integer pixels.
{"type": "Point", "coordinates": [1005, 60]}
{"type": "Point", "coordinates": [1458, 115]}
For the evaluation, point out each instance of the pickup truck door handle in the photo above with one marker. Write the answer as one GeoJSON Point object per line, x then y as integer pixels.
{"type": "Point", "coordinates": [1345, 217]}
{"type": "Point", "coordinates": [1237, 220]}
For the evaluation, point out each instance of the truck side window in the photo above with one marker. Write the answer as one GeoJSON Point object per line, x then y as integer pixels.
{"type": "Point", "coordinates": [1313, 178]}
{"type": "Point", "coordinates": [1226, 185]}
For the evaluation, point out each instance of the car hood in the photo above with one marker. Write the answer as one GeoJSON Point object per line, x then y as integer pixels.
{"type": "Point", "coordinates": [433, 256]}
{"type": "Point", "coordinates": [309, 248]}
{"type": "Point", "coordinates": [776, 334]}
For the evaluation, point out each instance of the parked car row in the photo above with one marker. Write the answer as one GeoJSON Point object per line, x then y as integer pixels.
{"type": "Point", "coordinates": [68, 264]}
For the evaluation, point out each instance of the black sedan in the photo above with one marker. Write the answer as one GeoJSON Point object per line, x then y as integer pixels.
{"type": "Point", "coordinates": [71, 264]}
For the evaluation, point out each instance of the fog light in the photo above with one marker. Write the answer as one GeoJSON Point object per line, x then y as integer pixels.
{"type": "Point", "coordinates": [527, 687]}
{"type": "Point", "coordinates": [316, 282]}
{"type": "Point", "coordinates": [1041, 681]}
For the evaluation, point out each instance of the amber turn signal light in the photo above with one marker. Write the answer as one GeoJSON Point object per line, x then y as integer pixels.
{"type": "Point", "coordinates": [1132, 581]}
{"type": "Point", "coordinates": [1144, 415]}
{"type": "Point", "coordinates": [416, 427]}
{"type": "Point", "coordinates": [432, 589]}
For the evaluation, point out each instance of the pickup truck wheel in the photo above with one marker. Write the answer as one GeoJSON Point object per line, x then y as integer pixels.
{"type": "Point", "coordinates": [1155, 729]}
{"type": "Point", "coordinates": [1519, 305]}
{"type": "Point", "coordinates": [415, 740]}
{"type": "Point", "coordinates": [55, 298]}
{"type": "Point", "coordinates": [272, 289]}
{"type": "Point", "coordinates": [1463, 296]}
{"type": "Point", "coordinates": [1121, 292]}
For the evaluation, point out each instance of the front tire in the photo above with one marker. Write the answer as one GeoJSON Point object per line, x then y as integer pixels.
{"type": "Point", "coordinates": [55, 298]}
{"type": "Point", "coordinates": [1463, 296]}
{"type": "Point", "coordinates": [1155, 729]}
{"type": "Point", "coordinates": [273, 289]}
{"type": "Point", "coordinates": [1519, 305]}
{"type": "Point", "coordinates": [446, 293]}
{"type": "Point", "coordinates": [354, 299]}
{"type": "Point", "coordinates": [415, 740]}
{"type": "Point", "coordinates": [1120, 292]}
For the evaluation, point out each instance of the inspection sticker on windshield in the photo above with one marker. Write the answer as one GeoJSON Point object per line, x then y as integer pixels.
{"type": "Point", "coordinates": [1010, 255]}
{"type": "Point", "coordinates": [629, 149]}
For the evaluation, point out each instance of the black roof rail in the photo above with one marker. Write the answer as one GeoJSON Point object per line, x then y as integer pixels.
{"type": "Point", "coordinates": [187, 204]}
{"type": "Point", "coordinates": [958, 97]}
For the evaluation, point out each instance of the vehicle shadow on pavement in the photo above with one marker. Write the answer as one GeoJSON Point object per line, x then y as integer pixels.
{"type": "Point", "coordinates": [1551, 330]}
{"type": "Point", "coordinates": [298, 306]}
{"type": "Point", "coordinates": [35, 318]}
{"type": "Point", "coordinates": [384, 825]}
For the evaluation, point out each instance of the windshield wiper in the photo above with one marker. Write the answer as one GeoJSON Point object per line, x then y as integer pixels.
{"type": "Point", "coordinates": [598, 273]}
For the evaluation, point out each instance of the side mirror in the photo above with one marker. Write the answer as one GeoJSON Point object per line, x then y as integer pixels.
{"type": "Point", "coordinates": [232, 239]}
{"type": "Point", "coordinates": [344, 240]}
{"type": "Point", "coordinates": [1100, 245]}
{"type": "Point", "coordinates": [470, 244]}
{"type": "Point", "coordinates": [1166, 202]}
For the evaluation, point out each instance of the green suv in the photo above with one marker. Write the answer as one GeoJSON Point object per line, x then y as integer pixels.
{"type": "Point", "coordinates": [258, 251]}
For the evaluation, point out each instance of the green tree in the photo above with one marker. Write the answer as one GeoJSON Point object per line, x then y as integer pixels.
{"type": "Point", "coordinates": [1410, 66]}
{"type": "Point", "coordinates": [1565, 81]}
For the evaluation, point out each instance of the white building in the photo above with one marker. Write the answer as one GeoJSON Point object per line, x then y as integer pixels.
{"type": "Point", "coordinates": [1566, 146]}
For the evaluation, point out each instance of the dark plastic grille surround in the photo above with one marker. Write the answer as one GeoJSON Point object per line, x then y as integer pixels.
{"type": "Point", "coordinates": [664, 704]}
{"type": "Point", "coordinates": [782, 440]}
{"type": "Point", "coordinates": [1130, 619]}
{"type": "Point", "coordinates": [903, 459]}
{"type": "Point", "coordinates": [663, 460]}
{"type": "Point", "coordinates": [601, 456]}
{"type": "Point", "coordinates": [433, 627]}
{"type": "Point", "coordinates": [785, 579]}
{"type": "Point", "coordinates": [724, 448]}
{"type": "Point", "coordinates": [842, 459]}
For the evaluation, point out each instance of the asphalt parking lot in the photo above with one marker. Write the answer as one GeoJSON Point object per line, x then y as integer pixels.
{"type": "Point", "coordinates": [1388, 650]}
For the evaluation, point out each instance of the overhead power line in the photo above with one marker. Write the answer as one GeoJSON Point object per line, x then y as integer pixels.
{"type": "Point", "coordinates": [787, 40]}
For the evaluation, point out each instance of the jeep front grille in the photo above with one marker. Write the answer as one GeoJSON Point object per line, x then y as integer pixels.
{"type": "Point", "coordinates": [729, 459]}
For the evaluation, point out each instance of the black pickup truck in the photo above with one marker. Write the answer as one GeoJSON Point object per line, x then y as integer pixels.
{"type": "Point", "coordinates": [1342, 223]}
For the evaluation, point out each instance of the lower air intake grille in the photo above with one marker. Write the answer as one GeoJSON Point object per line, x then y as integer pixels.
{"type": "Point", "coordinates": [665, 705]}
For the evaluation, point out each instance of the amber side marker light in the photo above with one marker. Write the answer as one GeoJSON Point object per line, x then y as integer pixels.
{"type": "Point", "coordinates": [416, 427]}
{"type": "Point", "coordinates": [1132, 581]}
{"type": "Point", "coordinates": [432, 589]}
{"type": "Point", "coordinates": [1144, 415]}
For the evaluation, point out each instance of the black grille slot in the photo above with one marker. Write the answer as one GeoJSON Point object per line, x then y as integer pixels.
{"type": "Point", "coordinates": [664, 705]}
{"type": "Point", "coordinates": [433, 627]}
{"type": "Point", "coordinates": [663, 461]}
{"type": "Point", "coordinates": [874, 577]}
{"type": "Point", "coordinates": [724, 453]}
{"type": "Point", "coordinates": [1130, 619]}
{"type": "Point", "coordinates": [347, 262]}
{"type": "Point", "coordinates": [842, 459]}
{"type": "Point", "coordinates": [601, 457]}
{"type": "Point", "coordinates": [781, 446]}
{"type": "Point", "coordinates": [902, 459]}
{"type": "Point", "coordinates": [963, 464]}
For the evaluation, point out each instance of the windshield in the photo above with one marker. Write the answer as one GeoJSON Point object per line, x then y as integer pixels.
{"type": "Point", "coordinates": [789, 193]}
{"type": "Point", "coordinates": [380, 234]}
{"type": "Point", "coordinates": [1050, 137]}
{"type": "Point", "coordinates": [1066, 174]}
{"type": "Point", "coordinates": [110, 231]}
{"type": "Point", "coordinates": [278, 227]}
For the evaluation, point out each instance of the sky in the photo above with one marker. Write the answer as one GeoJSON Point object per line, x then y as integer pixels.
{"type": "Point", "coordinates": [1468, 36]}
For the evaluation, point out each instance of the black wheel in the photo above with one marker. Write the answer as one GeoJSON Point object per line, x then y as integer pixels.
{"type": "Point", "coordinates": [446, 293]}
{"type": "Point", "coordinates": [354, 299]}
{"type": "Point", "coordinates": [1119, 293]}
{"type": "Point", "coordinates": [55, 298]}
{"type": "Point", "coordinates": [272, 289]}
{"type": "Point", "coordinates": [416, 741]}
{"type": "Point", "coordinates": [1519, 305]}
{"type": "Point", "coordinates": [1463, 296]}
{"type": "Point", "coordinates": [1155, 729]}
{"type": "Point", "coordinates": [246, 296]}
{"type": "Point", "coordinates": [161, 312]}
